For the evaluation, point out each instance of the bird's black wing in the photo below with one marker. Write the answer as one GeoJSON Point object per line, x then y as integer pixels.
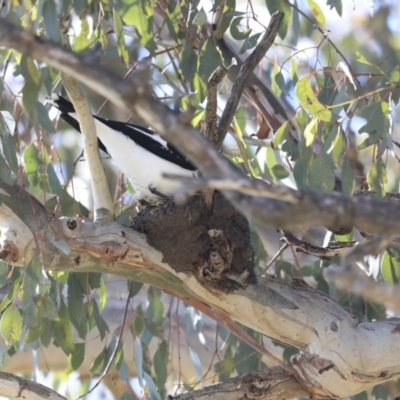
{"type": "Point", "coordinates": [139, 134]}
{"type": "Point", "coordinates": [142, 137]}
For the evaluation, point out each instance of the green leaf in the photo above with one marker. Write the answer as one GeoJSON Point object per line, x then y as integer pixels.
{"type": "Point", "coordinates": [200, 18]}
{"type": "Point", "coordinates": [54, 182]}
{"type": "Point", "coordinates": [377, 177]}
{"type": "Point", "coordinates": [279, 172]}
{"type": "Point", "coordinates": [9, 121]}
{"type": "Point", "coordinates": [42, 116]}
{"type": "Point", "coordinates": [86, 37]}
{"type": "Point", "coordinates": [274, 5]}
{"type": "Point", "coordinates": [210, 59]}
{"type": "Point", "coordinates": [317, 12]}
{"type": "Point", "coordinates": [34, 332]}
{"type": "Point", "coordinates": [225, 367]}
{"type": "Point", "coordinates": [348, 181]}
{"type": "Point", "coordinates": [50, 20]}
{"type": "Point", "coordinates": [62, 330]}
{"type": "Point", "coordinates": [100, 322]}
{"type": "Point", "coordinates": [280, 134]}
{"type": "Point", "coordinates": [75, 359]}
{"type": "Point", "coordinates": [278, 81]}
{"type": "Point", "coordinates": [94, 279]}
{"type": "Point", "coordinates": [11, 325]}
{"type": "Point", "coordinates": [32, 162]}
{"type": "Point", "coordinates": [151, 386]}
{"type": "Point", "coordinates": [160, 365]}
{"type": "Point", "coordinates": [97, 362]}
{"type": "Point", "coordinates": [236, 32]}
{"type": "Point", "coordinates": [249, 43]}
{"type": "Point", "coordinates": [321, 174]}
{"type": "Point", "coordinates": [139, 13]}
{"type": "Point", "coordinates": [310, 131]}
{"type": "Point", "coordinates": [76, 306]}
{"type": "Point", "coordinates": [337, 4]}
{"type": "Point", "coordinates": [390, 265]}
{"type": "Point", "coordinates": [30, 91]}
{"type": "Point", "coordinates": [61, 245]}
{"type": "Point", "coordinates": [310, 102]}
{"type": "Point", "coordinates": [135, 288]}
{"type": "Point", "coordinates": [10, 151]}
{"type": "Point", "coordinates": [121, 44]}
{"type": "Point", "coordinates": [46, 307]}
{"type": "Point", "coordinates": [172, 20]}
{"type": "Point", "coordinates": [139, 360]}
{"type": "Point", "coordinates": [246, 359]}
{"type": "Point", "coordinates": [188, 62]}
{"type": "Point", "coordinates": [11, 293]}
{"type": "Point", "coordinates": [299, 175]}
{"type": "Point", "coordinates": [377, 125]}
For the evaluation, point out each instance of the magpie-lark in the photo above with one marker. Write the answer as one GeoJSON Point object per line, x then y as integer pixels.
{"type": "Point", "coordinates": [141, 154]}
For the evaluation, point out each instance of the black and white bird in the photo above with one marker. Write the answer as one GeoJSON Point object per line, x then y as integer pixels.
{"type": "Point", "coordinates": [141, 154]}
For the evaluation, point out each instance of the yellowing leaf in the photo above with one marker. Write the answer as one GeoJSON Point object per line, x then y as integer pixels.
{"type": "Point", "coordinates": [309, 100]}
{"type": "Point", "coordinates": [310, 131]}
{"type": "Point", "coordinates": [11, 324]}
{"type": "Point", "coordinates": [317, 12]}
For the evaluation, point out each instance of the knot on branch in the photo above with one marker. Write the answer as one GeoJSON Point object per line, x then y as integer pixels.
{"type": "Point", "coordinates": [9, 252]}
{"type": "Point", "coordinates": [101, 239]}
{"type": "Point", "coordinates": [254, 386]}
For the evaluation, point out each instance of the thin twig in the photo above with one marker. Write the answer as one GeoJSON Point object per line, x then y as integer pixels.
{"type": "Point", "coordinates": [274, 258]}
{"type": "Point", "coordinates": [245, 71]}
{"type": "Point", "coordinates": [117, 345]}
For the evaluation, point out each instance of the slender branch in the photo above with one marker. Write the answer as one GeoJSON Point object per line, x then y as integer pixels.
{"type": "Point", "coordinates": [269, 384]}
{"type": "Point", "coordinates": [245, 71]}
{"type": "Point", "coordinates": [101, 195]}
{"type": "Point", "coordinates": [15, 387]}
{"type": "Point", "coordinates": [116, 348]}
{"type": "Point", "coordinates": [211, 130]}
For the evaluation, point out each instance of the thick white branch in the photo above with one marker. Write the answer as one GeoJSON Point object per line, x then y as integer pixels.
{"type": "Point", "coordinates": [101, 194]}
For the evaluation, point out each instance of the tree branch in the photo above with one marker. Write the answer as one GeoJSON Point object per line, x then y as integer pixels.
{"type": "Point", "coordinates": [299, 316]}
{"type": "Point", "coordinates": [268, 384]}
{"type": "Point", "coordinates": [15, 387]}
{"type": "Point", "coordinates": [101, 194]}
{"type": "Point", "coordinates": [245, 71]}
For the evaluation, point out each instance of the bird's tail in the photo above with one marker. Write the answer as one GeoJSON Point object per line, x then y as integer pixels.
{"type": "Point", "coordinates": [61, 103]}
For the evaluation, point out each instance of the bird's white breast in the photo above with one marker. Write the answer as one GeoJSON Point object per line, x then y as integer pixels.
{"type": "Point", "coordinates": [140, 166]}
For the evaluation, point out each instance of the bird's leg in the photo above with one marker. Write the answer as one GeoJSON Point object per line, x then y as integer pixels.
{"type": "Point", "coordinates": [153, 190]}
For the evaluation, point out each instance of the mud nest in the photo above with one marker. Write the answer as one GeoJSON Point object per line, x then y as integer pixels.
{"type": "Point", "coordinates": [180, 233]}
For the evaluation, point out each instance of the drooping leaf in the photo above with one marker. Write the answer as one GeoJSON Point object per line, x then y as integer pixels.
{"type": "Point", "coordinates": [10, 151]}
{"type": "Point", "coordinates": [121, 44]}
{"type": "Point", "coordinates": [139, 14]}
{"type": "Point", "coordinates": [62, 330]}
{"type": "Point", "coordinates": [249, 43]}
{"type": "Point", "coordinates": [11, 325]}
{"type": "Point", "coordinates": [274, 6]}
{"type": "Point", "coordinates": [236, 32]}
{"type": "Point", "coordinates": [390, 265]}
{"type": "Point", "coordinates": [160, 365]}
{"type": "Point", "coordinates": [139, 360]}
{"type": "Point", "coordinates": [30, 91]}
{"type": "Point", "coordinates": [50, 20]}
{"type": "Point", "coordinates": [75, 359]}
{"type": "Point", "coordinates": [377, 177]}
{"type": "Point", "coordinates": [210, 59]}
